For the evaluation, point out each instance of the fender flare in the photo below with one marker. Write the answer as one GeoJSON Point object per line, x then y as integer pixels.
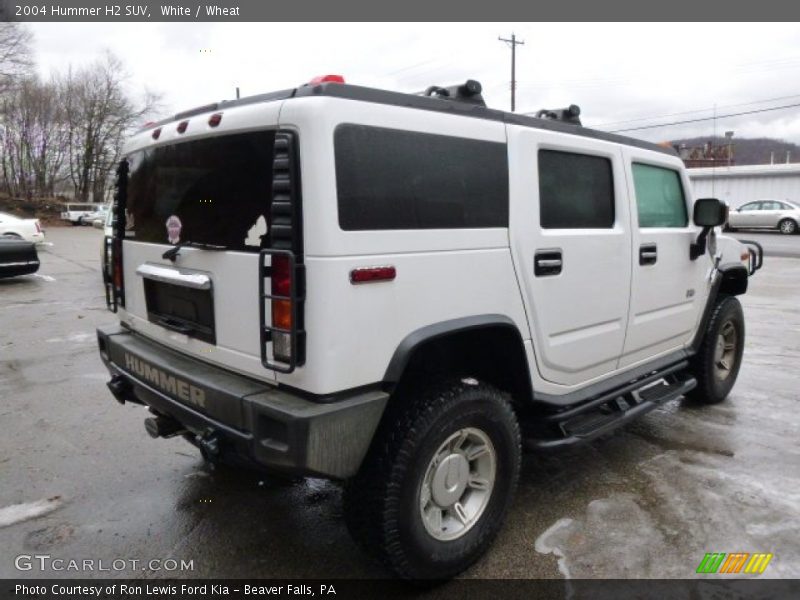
{"type": "Point", "coordinates": [405, 350]}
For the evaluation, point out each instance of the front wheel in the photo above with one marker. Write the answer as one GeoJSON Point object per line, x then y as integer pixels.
{"type": "Point", "coordinates": [716, 365]}
{"type": "Point", "coordinates": [436, 486]}
{"type": "Point", "coordinates": [787, 227]}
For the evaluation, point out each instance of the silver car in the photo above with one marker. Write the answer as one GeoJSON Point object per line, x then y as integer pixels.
{"type": "Point", "coordinates": [766, 214]}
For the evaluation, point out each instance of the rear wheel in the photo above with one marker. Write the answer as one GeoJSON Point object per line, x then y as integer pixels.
{"type": "Point", "coordinates": [787, 227]}
{"type": "Point", "coordinates": [436, 486]}
{"type": "Point", "coordinates": [716, 365]}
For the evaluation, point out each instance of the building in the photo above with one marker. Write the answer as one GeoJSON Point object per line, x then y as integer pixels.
{"type": "Point", "coordinates": [739, 184]}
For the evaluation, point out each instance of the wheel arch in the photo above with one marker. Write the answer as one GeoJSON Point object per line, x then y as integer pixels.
{"type": "Point", "coordinates": [490, 347]}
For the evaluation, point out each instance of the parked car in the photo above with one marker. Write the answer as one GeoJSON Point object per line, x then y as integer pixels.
{"type": "Point", "coordinates": [766, 214]}
{"type": "Point", "coordinates": [17, 257]}
{"type": "Point", "coordinates": [17, 228]}
{"type": "Point", "coordinates": [101, 217]}
{"type": "Point", "coordinates": [80, 214]}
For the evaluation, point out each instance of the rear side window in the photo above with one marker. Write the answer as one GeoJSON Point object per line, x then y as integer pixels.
{"type": "Point", "coordinates": [393, 179]}
{"type": "Point", "coordinates": [576, 191]}
{"type": "Point", "coordinates": [659, 197]}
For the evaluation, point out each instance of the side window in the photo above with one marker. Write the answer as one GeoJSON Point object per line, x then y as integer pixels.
{"type": "Point", "coordinates": [749, 206]}
{"type": "Point", "coordinates": [394, 179]}
{"type": "Point", "coordinates": [576, 191]}
{"type": "Point", "coordinates": [659, 197]}
{"type": "Point", "coordinates": [771, 205]}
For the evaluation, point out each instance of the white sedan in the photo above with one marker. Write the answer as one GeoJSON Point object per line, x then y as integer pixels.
{"type": "Point", "coordinates": [13, 227]}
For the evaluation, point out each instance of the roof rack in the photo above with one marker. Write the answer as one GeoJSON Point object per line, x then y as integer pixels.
{"type": "Point", "coordinates": [468, 92]}
{"type": "Point", "coordinates": [571, 114]}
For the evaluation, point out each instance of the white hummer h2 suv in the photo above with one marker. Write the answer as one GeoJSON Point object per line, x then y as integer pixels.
{"type": "Point", "coordinates": [402, 291]}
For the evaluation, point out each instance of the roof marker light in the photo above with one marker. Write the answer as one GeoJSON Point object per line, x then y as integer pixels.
{"type": "Point", "coordinates": [182, 126]}
{"type": "Point", "coordinates": [156, 133]}
{"type": "Point", "coordinates": [214, 119]}
{"type": "Point", "coordinates": [326, 79]}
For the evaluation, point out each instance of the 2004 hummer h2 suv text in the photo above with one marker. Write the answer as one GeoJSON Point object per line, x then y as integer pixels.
{"type": "Point", "coordinates": [401, 291]}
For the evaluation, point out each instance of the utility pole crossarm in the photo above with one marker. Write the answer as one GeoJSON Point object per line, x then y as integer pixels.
{"type": "Point", "coordinates": [513, 42]}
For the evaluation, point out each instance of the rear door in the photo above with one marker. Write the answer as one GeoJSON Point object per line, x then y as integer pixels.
{"type": "Point", "coordinates": [669, 289]}
{"type": "Point", "coordinates": [571, 239]}
{"type": "Point", "coordinates": [211, 192]}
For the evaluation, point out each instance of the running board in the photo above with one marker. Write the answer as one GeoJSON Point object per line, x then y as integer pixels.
{"type": "Point", "coordinates": [584, 423]}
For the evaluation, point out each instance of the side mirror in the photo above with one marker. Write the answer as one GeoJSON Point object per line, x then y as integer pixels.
{"type": "Point", "coordinates": [708, 213]}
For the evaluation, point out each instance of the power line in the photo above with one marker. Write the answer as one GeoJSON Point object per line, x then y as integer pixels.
{"type": "Point", "coordinates": [699, 110]}
{"type": "Point", "coordinates": [514, 43]}
{"type": "Point", "coordinates": [739, 114]}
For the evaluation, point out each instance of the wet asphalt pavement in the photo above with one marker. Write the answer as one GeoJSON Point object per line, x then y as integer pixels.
{"type": "Point", "coordinates": [648, 501]}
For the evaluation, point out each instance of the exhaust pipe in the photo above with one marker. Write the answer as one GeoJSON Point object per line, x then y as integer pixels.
{"type": "Point", "coordinates": [163, 427]}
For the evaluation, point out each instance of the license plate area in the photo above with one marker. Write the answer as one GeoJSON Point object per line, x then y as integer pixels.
{"type": "Point", "coordinates": [187, 310]}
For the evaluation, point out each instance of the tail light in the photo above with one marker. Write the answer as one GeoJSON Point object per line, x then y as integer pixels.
{"type": "Point", "coordinates": [285, 270]}
{"type": "Point", "coordinates": [38, 227]}
{"type": "Point", "coordinates": [282, 318]}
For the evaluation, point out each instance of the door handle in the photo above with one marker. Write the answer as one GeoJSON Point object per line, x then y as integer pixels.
{"type": "Point", "coordinates": [547, 262]}
{"type": "Point", "coordinates": [648, 254]}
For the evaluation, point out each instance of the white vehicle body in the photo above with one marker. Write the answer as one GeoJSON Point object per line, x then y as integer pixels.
{"type": "Point", "coordinates": [285, 268]}
{"type": "Point", "coordinates": [80, 213]}
{"type": "Point", "coordinates": [766, 214]}
{"type": "Point", "coordinates": [29, 230]}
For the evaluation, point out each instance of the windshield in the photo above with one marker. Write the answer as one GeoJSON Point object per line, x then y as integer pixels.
{"type": "Point", "coordinates": [211, 191]}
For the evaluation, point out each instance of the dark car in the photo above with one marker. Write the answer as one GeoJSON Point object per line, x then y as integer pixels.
{"type": "Point", "coordinates": [17, 257]}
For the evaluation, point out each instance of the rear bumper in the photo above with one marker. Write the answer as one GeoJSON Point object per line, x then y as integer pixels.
{"type": "Point", "coordinates": [249, 420]}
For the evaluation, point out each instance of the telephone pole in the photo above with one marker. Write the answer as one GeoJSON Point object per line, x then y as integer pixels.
{"type": "Point", "coordinates": [513, 42]}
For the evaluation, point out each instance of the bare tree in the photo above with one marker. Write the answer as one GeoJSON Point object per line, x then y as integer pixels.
{"type": "Point", "coordinates": [99, 112]}
{"type": "Point", "coordinates": [16, 59]}
{"type": "Point", "coordinates": [33, 138]}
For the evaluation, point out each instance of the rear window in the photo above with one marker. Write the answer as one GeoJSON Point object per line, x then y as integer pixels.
{"type": "Point", "coordinates": [212, 191]}
{"type": "Point", "coordinates": [394, 179]}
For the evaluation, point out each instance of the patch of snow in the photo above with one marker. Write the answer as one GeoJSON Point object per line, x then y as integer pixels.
{"type": "Point", "coordinates": [544, 545]}
{"type": "Point", "coordinates": [16, 513]}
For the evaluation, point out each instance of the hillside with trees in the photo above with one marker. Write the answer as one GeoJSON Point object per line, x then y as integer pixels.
{"type": "Point", "coordinates": [749, 151]}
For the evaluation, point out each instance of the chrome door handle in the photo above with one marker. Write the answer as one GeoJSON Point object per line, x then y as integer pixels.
{"type": "Point", "coordinates": [547, 262]}
{"type": "Point", "coordinates": [648, 254]}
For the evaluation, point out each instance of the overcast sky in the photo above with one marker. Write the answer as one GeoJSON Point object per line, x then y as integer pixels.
{"type": "Point", "coordinates": [614, 72]}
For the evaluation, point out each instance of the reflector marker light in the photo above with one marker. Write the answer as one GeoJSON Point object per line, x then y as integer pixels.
{"type": "Point", "coordinates": [372, 274]}
{"type": "Point", "coordinates": [182, 126]}
{"type": "Point", "coordinates": [156, 133]}
{"type": "Point", "coordinates": [214, 119]}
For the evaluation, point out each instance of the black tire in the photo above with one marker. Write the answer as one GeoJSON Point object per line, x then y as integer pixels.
{"type": "Point", "coordinates": [713, 383]}
{"type": "Point", "coordinates": [382, 503]}
{"type": "Point", "coordinates": [787, 227]}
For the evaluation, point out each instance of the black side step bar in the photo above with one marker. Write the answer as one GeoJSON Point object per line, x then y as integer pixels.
{"type": "Point", "coordinates": [598, 417]}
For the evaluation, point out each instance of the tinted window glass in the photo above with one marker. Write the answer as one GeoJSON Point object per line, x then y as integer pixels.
{"type": "Point", "coordinates": [218, 188]}
{"type": "Point", "coordinates": [659, 197]}
{"type": "Point", "coordinates": [392, 179]}
{"type": "Point", "coordinates": [576, 191]}
{"type": "Point", "coordinates": [750, 206]}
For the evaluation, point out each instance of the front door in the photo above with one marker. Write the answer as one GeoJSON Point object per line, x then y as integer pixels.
{"type": "Point", "coordinates": [571, 241]}
{"type": "Point", "coordinates": [669, 289]}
